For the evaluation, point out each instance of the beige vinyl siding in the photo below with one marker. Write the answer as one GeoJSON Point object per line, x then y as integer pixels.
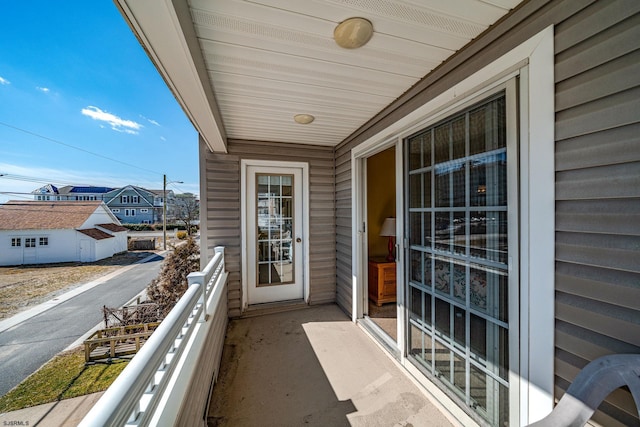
{"type": "Point", "coordinates": [598, 194]}
{"type": "Point", "coordinates": [222, 183]}
{"type": "Point", "coordinates": [597, 160]}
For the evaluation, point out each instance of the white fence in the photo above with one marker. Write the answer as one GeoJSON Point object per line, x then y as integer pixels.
{"type": "Point", "coordinates": [168, 382]}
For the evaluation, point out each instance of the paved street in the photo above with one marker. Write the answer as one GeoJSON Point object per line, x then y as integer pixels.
{"type": "Point", "coordinates": [28, 345]}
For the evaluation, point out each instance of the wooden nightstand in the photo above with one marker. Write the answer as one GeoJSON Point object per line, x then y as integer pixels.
{"type": "Point", "coordinates": [382, 281]}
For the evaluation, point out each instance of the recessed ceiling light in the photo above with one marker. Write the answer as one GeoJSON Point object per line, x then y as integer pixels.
{"type": "Point", "coordinates": [303, 119]}
{"type": "Point", "coordinates": [353, 33]}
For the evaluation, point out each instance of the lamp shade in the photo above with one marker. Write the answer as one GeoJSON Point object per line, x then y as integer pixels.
{"type": "Point", "coordinates": [388, 227]}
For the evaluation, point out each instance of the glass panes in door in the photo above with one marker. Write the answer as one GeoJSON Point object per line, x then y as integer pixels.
{"type": "Point", "coordinates": [457, 271]}
{"type": "Point", "coordinates": [274, 207]}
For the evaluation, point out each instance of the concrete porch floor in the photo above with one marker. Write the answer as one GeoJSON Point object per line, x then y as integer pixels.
{"type": "Point", "coordinates": [313, 367]}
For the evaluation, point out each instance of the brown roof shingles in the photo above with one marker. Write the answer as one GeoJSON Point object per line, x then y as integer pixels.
{"type": "Point", "coordinates": [96, 234]}
{"type": "Point", "coordinates": [113, 227]}
{"type": "Point", "coordinates": [45, 215]}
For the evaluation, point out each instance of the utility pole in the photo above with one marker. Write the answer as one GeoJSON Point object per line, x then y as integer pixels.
{"type": "Point", "coordinates": [164, 208]}
{"type": "Point", "coordinates": [164, 211]}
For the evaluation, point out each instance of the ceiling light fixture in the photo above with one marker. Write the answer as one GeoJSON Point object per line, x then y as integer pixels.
{"type": "Point", "coordinates": [303, 119]}
{"type": "Point", "coordinates": [353, 33]}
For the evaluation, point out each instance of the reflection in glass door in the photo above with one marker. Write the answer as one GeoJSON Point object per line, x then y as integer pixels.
{"type": "Point", "coordinates": [275, 216]}
{"type": "Point", "coordinates": [458, 272]}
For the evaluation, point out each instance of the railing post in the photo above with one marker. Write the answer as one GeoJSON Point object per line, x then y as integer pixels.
{"type": "Point", "coordinates": [220, 250]}
{"type": "Point", "coordinates": [198, 278]}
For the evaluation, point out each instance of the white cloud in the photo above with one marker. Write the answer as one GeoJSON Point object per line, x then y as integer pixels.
{"type": "Point", "coordinates": [43, 89]}
{"type": "Point", "coordinates": [4, 81]}
{"type": "Point", "coordinates": [116, 123]}
{"type": "Point", "coordinates": [153, 122]}
{"type": "Point", "coordinates": [162, 138]}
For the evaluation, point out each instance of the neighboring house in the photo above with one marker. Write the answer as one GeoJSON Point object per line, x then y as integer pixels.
{"type": "Point", "coordinates": [159, 200]}
{"type": "Point", "coordinates": [40, 232]}
{"type": "Point", "coordinates": [70, 192]}
{"type": "Point", "coordinates": [502, 136]}
{"type": "Point", "coordinates": [130, 204]}
{"type": "Point", "coordinates": [185, 208]}
{"type": "Point", "coordinates": [134, 205]}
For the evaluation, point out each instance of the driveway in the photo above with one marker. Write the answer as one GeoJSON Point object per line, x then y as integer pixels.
{"type": "Point", "coordinates": [28, 345]}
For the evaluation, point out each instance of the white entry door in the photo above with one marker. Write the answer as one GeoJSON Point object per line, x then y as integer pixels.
{"type": "Point", "coordinates": [29, 254]}
{"type": "Point", "coordinates": [85, 250]}
{"type": "Point", "coordinates": [274, 231]}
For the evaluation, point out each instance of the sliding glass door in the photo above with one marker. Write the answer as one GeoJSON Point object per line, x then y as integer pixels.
{"type": "Point", "coordinates": [458, 255]}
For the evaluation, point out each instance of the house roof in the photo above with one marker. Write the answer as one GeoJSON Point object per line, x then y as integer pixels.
{"type": "Point", "coordinates": [96, 234]}
{"type": "Point", "coordinates": [37, 215]}
{"type": "Point", "coordinates": [46, 189]}
{"type": "Point", "coordinates": [90, 189]}
{"type": "Point", "coordinates": [142, 192]}
{"type": "Point", "coordinates": [242, 70]}
{"type": "Point", "coordinates": [113, 227]}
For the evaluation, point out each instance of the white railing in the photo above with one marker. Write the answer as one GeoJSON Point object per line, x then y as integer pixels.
{"type": "Point", "coordinates": [152, 389]}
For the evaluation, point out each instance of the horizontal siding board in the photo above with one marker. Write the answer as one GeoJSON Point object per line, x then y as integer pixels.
{"type": "Point", "coordinates": [614, 287]}
{"type": "Point", "coordinates": [592, 20]}
{"type": "Point", "coordinates": [613, 77]}
{"type": "Point", "coordinates": [601, 216]}
{"type": "Point", "coordinates": [343, 186]}
{"type": "Point", "coordinates": [587, 344]}
{"type": "Point", "coordinates": [587, 222]}
{"type": "Point", "coordinates": [245, 148]}
{"type": "Point", "coordinates": [607, 45]}
{"type": "Point", "coordinates": [604, 182]}
{"type": "Point", "coordinates": [598, 291]}
{"type": "Point", "coordinates": [580, 311]}
{"type": "Point", "coordinates": [609, 147]}
{"type": "Point", "coordinates": [608, 257]}
{"type": "Point", "coordinates": [613, 111]}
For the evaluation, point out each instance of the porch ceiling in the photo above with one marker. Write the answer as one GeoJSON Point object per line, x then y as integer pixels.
{"type": "Point", "coordinates": [243, 69]}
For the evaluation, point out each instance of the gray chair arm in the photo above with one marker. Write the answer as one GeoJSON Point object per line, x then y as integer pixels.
{"type": "Point", "coordinates": [592, 385]}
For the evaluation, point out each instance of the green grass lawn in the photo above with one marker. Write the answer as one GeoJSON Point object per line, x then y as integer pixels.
{"type": "Point", "coordinates": [63, 377]}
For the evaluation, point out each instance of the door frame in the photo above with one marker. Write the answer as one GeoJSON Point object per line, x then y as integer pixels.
{"type": "Point", "coordinates": [359, 156]}
{"type": "Point", "coordinates": [244, 233]}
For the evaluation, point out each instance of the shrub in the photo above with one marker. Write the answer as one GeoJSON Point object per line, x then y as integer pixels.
{"type": "Point", "coordinates": [166, 289]}
{"type": "Point", "coordinates": [181, 235]}
{"type": "Point", "coordinates": [138, 227]}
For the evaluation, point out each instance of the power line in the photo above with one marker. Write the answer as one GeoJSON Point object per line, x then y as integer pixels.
{"type": "Point", "coordinates": [28, 132]}
{"type": "Point", "coordinates": [27, 196]}
{"type": "Point", "coordinates": [177, 188]}
{"type": "Point", "coordinates": [59, 183]}
{"type": "Point", "coordinates": [35, 179]}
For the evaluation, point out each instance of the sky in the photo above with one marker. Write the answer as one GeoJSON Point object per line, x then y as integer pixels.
{"type": "Point", "coordinates": [82, 104]}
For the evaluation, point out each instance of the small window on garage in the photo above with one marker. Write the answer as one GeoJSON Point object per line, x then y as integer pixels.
{"type": "Point", "coordinates": [44, 241]}
{"type": "Point", "coordinates": [29, 242]}
{"type": "Point", "coordinates": [16, 242]}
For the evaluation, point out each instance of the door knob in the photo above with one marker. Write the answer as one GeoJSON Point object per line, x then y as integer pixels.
{"type": "Point", "coordinates": [298, 240]}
